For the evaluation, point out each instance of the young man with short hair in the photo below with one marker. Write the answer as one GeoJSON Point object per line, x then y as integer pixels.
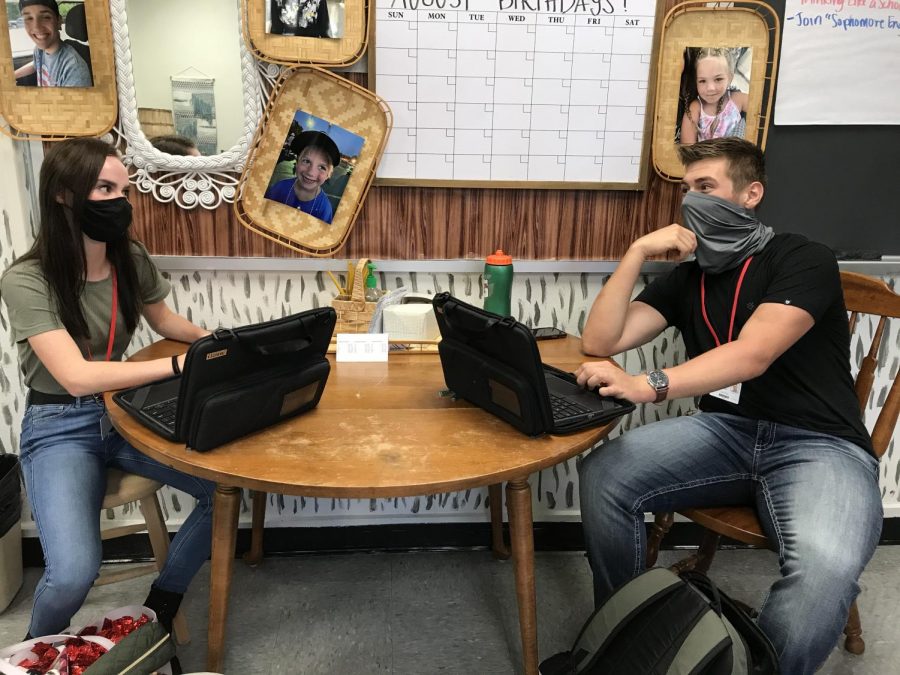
{"type": "Point", "coordinates": [763, 321]}
{"type": "Point", "coordinates": [56, 63]}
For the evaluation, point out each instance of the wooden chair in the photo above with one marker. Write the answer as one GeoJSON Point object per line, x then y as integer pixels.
{"type": "Point", "coordinates": [862, 295]}
{"type": "Point", "coordinates": [124, 488]}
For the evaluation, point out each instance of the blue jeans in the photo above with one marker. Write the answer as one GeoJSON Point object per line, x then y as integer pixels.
{"type": "Point", "coordinates": [817, 497]}
{"type": "Point", "coordinates": [64, 460]}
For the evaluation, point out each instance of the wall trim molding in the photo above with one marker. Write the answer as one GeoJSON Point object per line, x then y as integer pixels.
{"type": "Point", "coordinates": [172, 263]}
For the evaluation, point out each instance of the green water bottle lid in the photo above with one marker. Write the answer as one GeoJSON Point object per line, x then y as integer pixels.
{"type": "Point", "coordinates": [371, 281]}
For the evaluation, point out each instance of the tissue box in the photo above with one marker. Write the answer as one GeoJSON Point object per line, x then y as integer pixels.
{"type": "Point", "coordinates": [410, 322]}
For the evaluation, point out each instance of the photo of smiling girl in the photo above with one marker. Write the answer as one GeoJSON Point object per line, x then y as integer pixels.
{"type": "Point", "coordinates": [715, 107]}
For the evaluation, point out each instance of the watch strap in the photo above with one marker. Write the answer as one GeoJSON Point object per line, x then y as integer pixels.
{"type": "Point", "coordinates": [661, 394]}
{"type": "Point", "coordinates": [662, 390]}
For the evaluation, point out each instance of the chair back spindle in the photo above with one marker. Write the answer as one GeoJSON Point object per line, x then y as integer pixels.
{"type": "Point", "coordinates": [865, 295]}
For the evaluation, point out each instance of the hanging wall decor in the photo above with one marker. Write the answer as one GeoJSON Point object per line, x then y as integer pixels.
{"type": "Point", "coordinates": [742, 42]}
{"type": "Point", "coordinates": [194, 109]}
{"type": "Point", "coordinates": [312, 161]}
{"type": "Point", "coordinates": [319, 32]}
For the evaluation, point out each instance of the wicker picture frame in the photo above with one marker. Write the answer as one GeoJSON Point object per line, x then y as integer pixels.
{"type": "Point", "coordinates": [339, 101]}
{"type": "Point", "coordinates": [702, 24]}
{"type": "Point", "coordinates": [55, 113]}
{"type": "Point", "coordinates": [293, 50]}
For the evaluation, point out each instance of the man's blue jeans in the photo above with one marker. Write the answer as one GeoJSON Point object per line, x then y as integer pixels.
{"type": "Point", "coordinates": [817, 497]}
{"type": "Point", "coordinates": [64, 461]}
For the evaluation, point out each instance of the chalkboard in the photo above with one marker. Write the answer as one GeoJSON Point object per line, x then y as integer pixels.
{"type": "Point", "coordinates": [839, 185]}
{"type": "Point", "coordinates": [516, 93]}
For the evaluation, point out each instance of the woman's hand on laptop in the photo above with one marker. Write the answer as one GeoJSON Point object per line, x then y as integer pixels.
{"type": "Point", "coordinates": [610, 380]}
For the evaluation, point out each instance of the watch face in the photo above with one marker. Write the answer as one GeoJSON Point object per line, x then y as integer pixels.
{"type": "Point", "coordinates": [657, 379]}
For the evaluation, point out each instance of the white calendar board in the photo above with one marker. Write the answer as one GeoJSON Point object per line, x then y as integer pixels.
{"type": "Point", "coordinates": [549, 93]}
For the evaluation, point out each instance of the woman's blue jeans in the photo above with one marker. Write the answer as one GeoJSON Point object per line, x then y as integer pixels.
{"type": "Point", "coordinates": [64, 456]}
{"type": "Point", "coordinates": [817, 497]}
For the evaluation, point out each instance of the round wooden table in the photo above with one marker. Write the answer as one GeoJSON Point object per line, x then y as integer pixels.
{"type": "Point", "coordinates": [380, 430]}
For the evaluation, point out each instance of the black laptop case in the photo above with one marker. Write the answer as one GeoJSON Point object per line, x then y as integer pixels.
{"type": "Point", "coordinates": [236, 381]}
{"type": "Point", "coordinates": [494, 362]}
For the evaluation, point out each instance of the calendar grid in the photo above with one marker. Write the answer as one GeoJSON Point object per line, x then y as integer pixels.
{"type": "Point", "coordinates": [514, 90]}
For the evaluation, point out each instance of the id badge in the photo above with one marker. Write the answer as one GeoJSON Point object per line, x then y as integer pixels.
{"type": "Point", "coordinates": [730, 394]}
{"type": "Point", "coordinates": [106, 426]}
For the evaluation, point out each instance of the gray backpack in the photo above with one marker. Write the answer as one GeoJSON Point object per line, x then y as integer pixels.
{"type": "Point", "coordinates": [662, 624]}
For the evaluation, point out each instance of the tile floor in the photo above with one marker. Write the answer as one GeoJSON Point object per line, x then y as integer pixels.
{"type": "Point", "coordinates": [437, 612]}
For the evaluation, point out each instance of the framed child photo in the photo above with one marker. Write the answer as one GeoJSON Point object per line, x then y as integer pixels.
{"type": "Point", "coordinates": [57, 72]}
{"type": "Point", "coordinates": [714, 78]}
{"type": "Point", "coordinates": [714, 94]}
{"type": "Point", "coordinates": [312, 161]}
{"type": "Point", "coordinates": [315, 32]}
{"type": "Point", "coordinates": [314, 167]}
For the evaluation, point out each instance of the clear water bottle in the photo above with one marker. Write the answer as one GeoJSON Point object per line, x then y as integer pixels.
{"type": "Point", "coordinates": [498, 274]}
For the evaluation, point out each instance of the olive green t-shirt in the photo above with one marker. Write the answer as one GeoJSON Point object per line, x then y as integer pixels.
{"type": "Point", "coordinates": [33, 311]}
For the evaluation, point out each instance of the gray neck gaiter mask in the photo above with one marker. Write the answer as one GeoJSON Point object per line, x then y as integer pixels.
{"type": "Point", "coordinates": [727, 234]}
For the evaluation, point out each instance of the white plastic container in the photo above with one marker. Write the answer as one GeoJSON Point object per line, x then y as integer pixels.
{"type": "Point", "coordinates": [410, 322]}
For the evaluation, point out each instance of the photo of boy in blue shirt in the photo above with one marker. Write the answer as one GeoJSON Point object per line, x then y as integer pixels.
{"type": "Point", "coordinates": [56, 63]}
{"type": "Point", "coordinates": [317, 155]}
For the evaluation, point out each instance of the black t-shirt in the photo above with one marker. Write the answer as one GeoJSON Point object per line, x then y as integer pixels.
{"type": "Point", "coordinates": [809, 386]}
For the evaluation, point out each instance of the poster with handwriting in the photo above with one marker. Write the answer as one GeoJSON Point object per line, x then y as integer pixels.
{"type": "Point", "coordinates": [839, 63]}
{"type": "Point", "coordinates": [514, 90]}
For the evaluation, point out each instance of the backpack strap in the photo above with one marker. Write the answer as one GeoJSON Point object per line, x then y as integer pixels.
{"type": "Point", "coordinates": [623, 604]}
{"type": "Point", "coordinates": [740, 654]}
{"type": "Point", "coordinates": [740, 657]}
{"type": "Point", "coordinates": [708, 637]}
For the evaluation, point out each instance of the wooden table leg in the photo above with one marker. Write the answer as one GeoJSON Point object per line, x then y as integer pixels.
{"type": "Point", "coordinates": [498, 545]}
{"type": "Point", "coordinates": [226, 506]}
{"type": "Point", "coordinates": [254, 556]}
{"type": "Point", "coordinates": [521, 528]}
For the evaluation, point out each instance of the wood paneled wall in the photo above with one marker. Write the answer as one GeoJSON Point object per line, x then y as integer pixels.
{"type": "Point", "coordinates": [413, 223]}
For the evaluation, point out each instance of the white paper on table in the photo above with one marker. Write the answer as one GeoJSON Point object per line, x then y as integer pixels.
{"type": "Point", "coordinates": [362, 347]}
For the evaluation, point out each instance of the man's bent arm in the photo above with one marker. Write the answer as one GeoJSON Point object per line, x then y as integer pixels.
{"type": "Point", "coordinates": [615, 323]}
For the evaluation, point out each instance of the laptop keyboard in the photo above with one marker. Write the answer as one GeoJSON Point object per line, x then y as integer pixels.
{"type": "Point", "coordinates": [163, 412]}
{"type": "Point", "coordinates": [563, 408]}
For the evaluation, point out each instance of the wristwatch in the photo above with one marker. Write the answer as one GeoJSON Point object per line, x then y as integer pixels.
{"type": "Point", "coordinates": [660, 383]}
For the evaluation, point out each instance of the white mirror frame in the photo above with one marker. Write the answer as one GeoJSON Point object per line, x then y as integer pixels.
{"type": "Point", "coordinates": [186, 180]}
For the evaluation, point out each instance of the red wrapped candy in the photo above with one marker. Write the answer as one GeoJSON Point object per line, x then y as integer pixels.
{"type": "Point", "coordinates": [46, 655]}
{"type": "Point", "coordinates": [116, 629]}
{"type": "Point", "coordinates": [81, 654]}
{"type": "Point", "coordinates": [77, 656]}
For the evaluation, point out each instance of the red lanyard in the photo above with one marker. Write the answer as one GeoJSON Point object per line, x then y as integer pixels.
{"type": "Point", "coordinates": [737, 292]}
{"type": "Point", "coordinates": [112, 318]}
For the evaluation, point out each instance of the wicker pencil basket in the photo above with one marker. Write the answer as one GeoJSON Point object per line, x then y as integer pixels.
{"type": "Point", "coordinates": [353, 312]}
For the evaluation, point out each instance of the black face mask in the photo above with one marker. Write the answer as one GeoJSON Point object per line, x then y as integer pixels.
{"type": "Point", "coordinates": [106, 220]}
